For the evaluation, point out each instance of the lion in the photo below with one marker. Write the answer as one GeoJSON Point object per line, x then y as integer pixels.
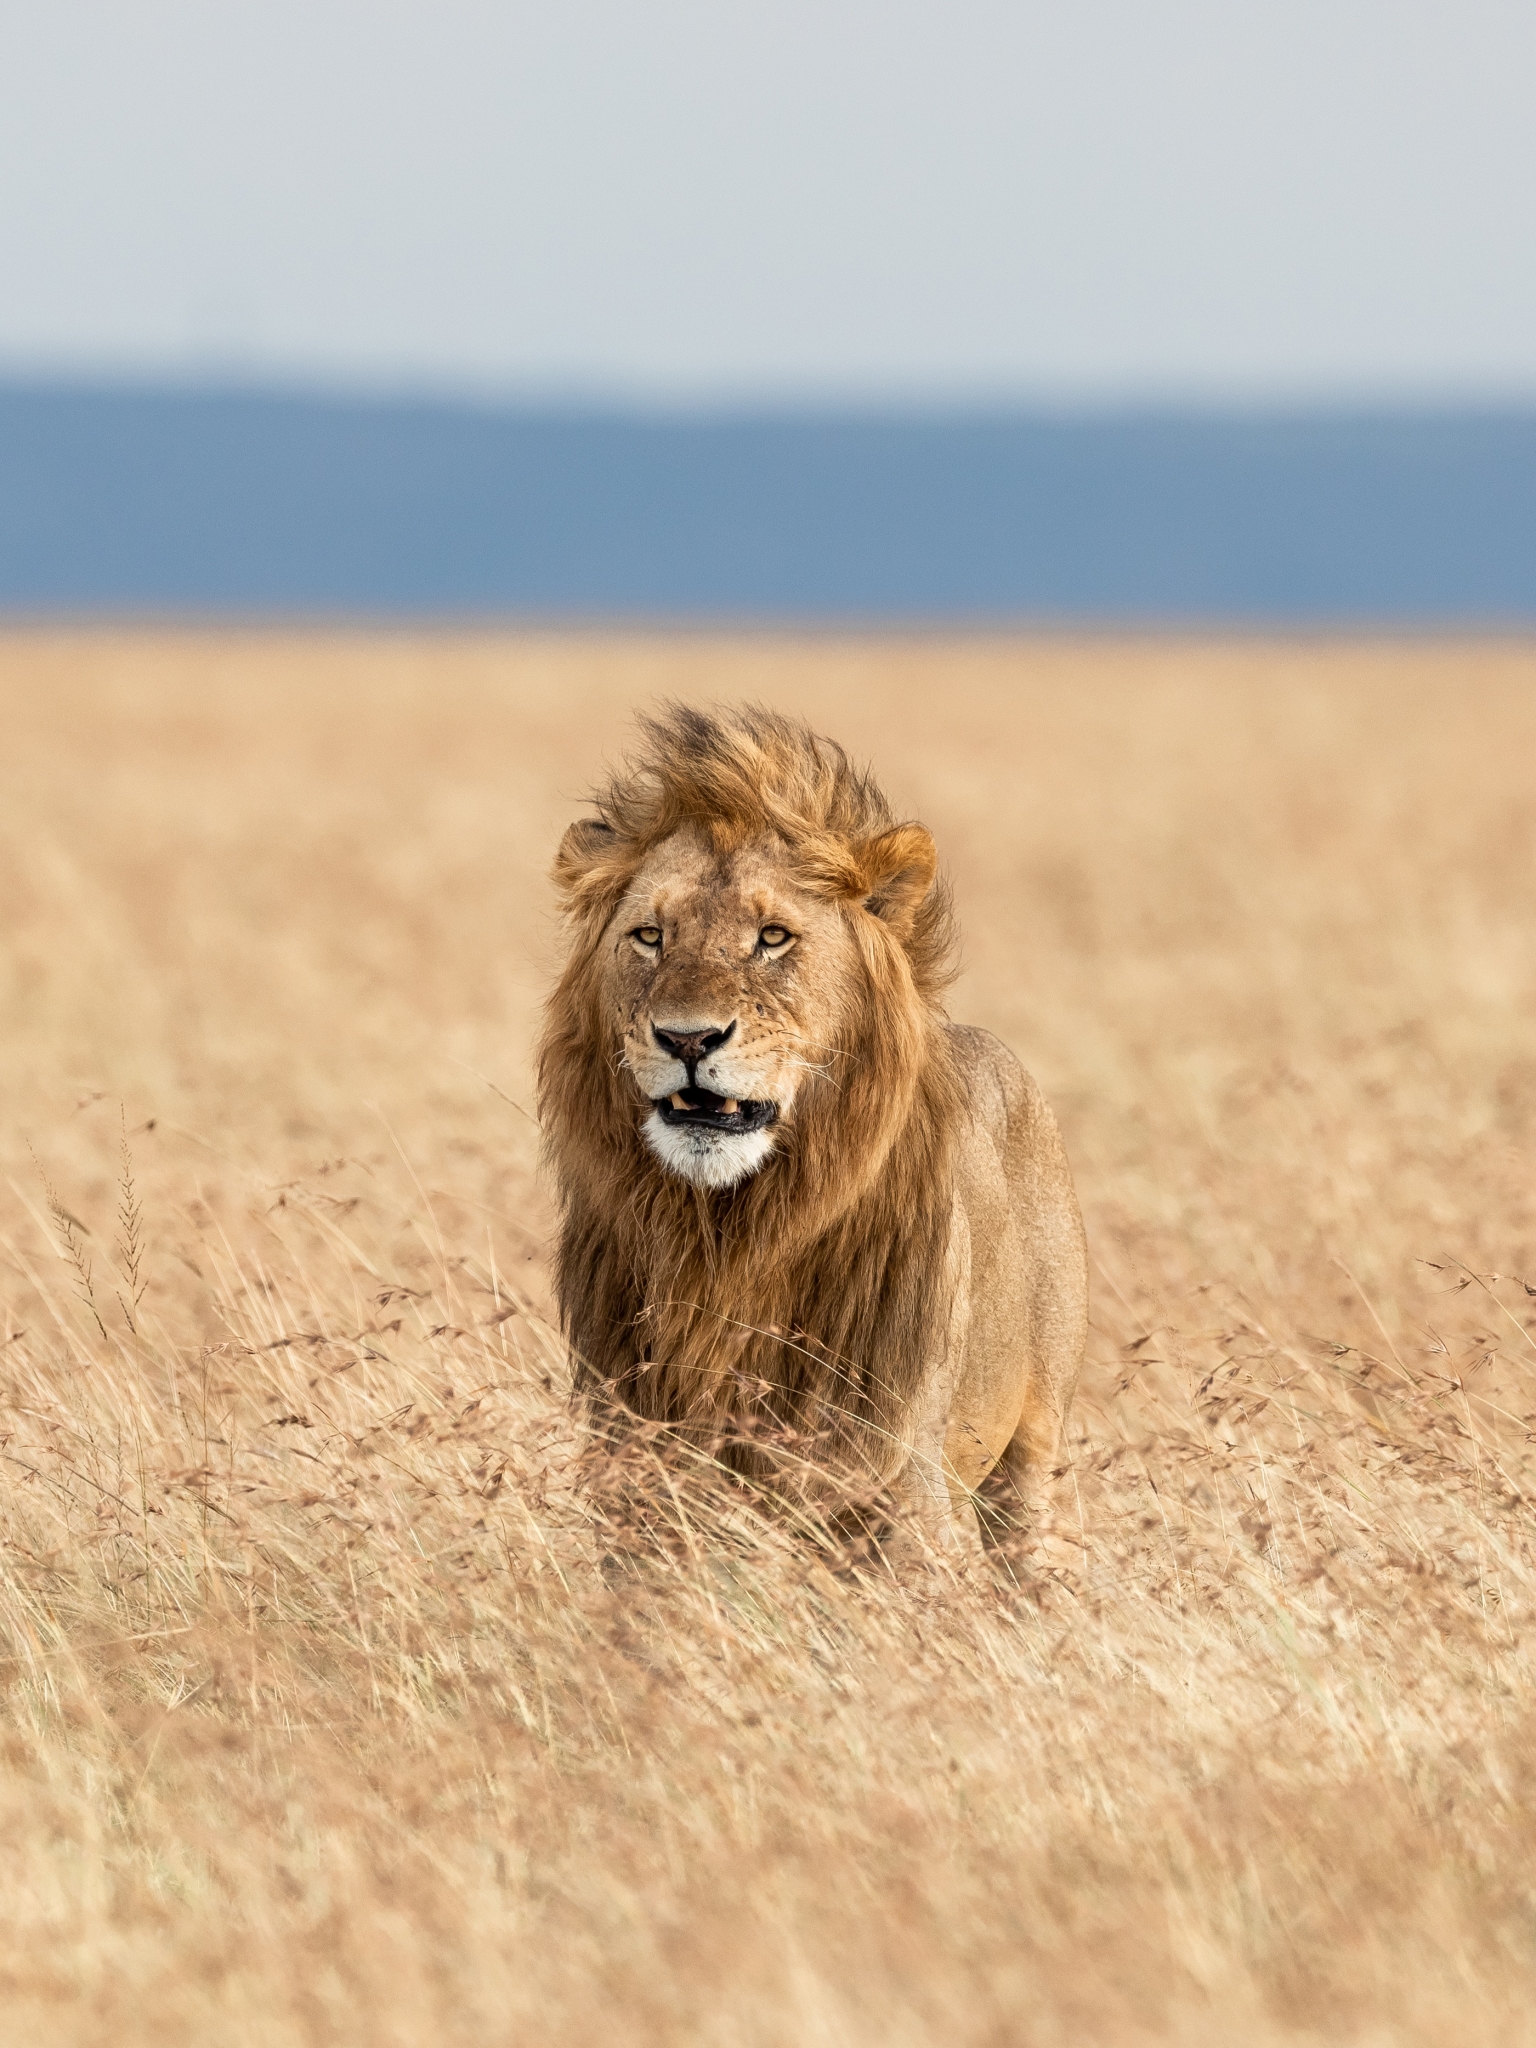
{"type": "Point", "coordinates": [798, 1206]}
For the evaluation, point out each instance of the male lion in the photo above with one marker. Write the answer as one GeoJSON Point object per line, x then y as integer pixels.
{"type": "Point", "coordinates": [798, 1206]}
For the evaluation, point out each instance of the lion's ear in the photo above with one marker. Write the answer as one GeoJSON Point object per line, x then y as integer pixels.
{"type": "Point", "coordinates": [899, 867]}
{"type": "Point", "coordinates": [588, 848]}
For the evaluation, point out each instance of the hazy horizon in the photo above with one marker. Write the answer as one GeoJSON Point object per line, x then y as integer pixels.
{"type": "Point", "coordinates": [281, 501]}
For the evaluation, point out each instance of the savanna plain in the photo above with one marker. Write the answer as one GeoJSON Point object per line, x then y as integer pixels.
{"type": "Point", "coordinates": [320, 1723]}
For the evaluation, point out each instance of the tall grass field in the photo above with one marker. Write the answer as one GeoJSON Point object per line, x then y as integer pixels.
{"type": "Point", "coordinates": [319, 1722]}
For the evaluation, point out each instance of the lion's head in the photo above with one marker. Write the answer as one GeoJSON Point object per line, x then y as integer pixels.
{"type": "Point", "coordinates": [742, 901]}
{"type": "Point", "coordinates": [743, 1054]}
{"type": "Point", "coordinates": [732, 977]}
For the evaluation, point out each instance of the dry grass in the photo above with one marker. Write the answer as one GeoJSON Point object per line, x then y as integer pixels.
{"type": "Point", "coordinates": [320, 1725]}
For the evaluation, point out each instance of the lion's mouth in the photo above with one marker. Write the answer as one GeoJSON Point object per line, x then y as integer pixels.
{"type": "Point", "coordinates": [698, 1109]}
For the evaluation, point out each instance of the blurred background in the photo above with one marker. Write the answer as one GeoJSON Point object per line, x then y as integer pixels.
{"type": "Point", "coordinates": [861, 310]}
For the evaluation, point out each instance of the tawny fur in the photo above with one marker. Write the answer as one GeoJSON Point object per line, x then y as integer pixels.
{"type": "Point", "coordinates": [823, 1301]}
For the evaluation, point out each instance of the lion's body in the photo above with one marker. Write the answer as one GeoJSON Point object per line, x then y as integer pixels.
{"type": "Point", "coordinates": [806, 1222]}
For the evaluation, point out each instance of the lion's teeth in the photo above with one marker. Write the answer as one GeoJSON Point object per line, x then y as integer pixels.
{"type": "Point", "coordinates": [678, 1102]}
{"type": "Point", "coordinates": [730, 1105]}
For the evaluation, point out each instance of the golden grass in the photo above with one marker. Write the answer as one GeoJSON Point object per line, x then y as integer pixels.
{"type": "Point", "coordinates": [319, 1723]}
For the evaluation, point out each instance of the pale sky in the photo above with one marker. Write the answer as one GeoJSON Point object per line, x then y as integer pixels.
{"type": "Point", "coordinates": [672, 200]}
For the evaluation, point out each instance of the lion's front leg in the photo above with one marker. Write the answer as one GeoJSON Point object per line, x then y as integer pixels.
{"type": "Point", "coordinates": [928, 1527]}
{"type": "Point", "coordinates": [630, 1481]}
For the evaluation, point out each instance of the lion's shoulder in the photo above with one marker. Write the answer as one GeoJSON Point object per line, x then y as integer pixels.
{"type": "Point", "coordinates": [1007, 1105]}
{"type": "Point", "coordinates": [1004, 1098]}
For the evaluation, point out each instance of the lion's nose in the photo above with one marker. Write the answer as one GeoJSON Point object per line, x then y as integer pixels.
{"type": "Point", "coordinates": [691, 1043]}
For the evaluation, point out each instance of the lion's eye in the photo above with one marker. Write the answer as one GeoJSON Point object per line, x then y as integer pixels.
{"type": "Point", "coordinates": [773, 938]}
{"type": "Point", "coordinates": [647, 937]}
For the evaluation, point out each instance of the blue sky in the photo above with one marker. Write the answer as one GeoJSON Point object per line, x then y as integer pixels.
{"type": "Point", "coordinates": [1088, 200]}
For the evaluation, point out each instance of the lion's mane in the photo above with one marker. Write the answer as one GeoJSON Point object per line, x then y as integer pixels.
{"type": "Point", "coordinates": [804, 1297]}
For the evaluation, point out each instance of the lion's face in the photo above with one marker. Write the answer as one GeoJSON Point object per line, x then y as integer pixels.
{"type": "Point", "coordinates": [729, 983]}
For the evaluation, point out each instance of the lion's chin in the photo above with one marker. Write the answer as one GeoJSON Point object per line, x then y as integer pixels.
{"type": "Point", "coordinates": [709, 1158]}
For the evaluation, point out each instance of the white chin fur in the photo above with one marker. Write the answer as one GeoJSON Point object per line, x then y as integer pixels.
{"type": "Point", "coordinates": [710, 1159]}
